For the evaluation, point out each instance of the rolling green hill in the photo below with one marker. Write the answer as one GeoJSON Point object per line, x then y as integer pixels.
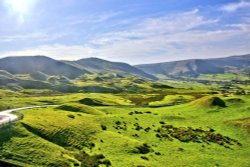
{"type": "Point", "coordinates": [193, 68]}
{"type": "Point", "coordinates": [33, 64]}
{"type": "Point", "coordinates": [200, 132]}
{"type": "Point", "coordinates": [95, 65]}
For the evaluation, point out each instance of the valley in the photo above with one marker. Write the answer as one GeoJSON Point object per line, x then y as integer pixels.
{"type": "Point", "coordinates": [108, 115]}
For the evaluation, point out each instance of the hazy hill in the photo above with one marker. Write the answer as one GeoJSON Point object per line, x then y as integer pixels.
{"type": "Point", "coordinates": [194, 67]}
{"type": "Point", "coordinates": [95, 65]}
{"type": "Point", "coordinates": [33, 64]}
{"type": "Point", "coordinates": [87, 75]}
{"type": "Point", "coordinates": [6, 77]}
{"type": "Point", "coordinates": [6, 74]}
{"type": "Point", "coordinates": [233, 62]}
{"type": "Point", "coordinates": [45, 67]}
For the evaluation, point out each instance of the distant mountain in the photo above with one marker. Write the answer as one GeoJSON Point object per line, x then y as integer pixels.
{"type": "Point", "coordinates": [239, 62]}
{"type": "Point", "coordinates": [195, 67]}
{"type": "Point", "coordinates": [95, 65]}
{"type": "Point", "coordinates": [41, 67]}
{"type": "Point", "coordinates": [33, 64]}
{"type": "Point", "coordinates": [45, 66]}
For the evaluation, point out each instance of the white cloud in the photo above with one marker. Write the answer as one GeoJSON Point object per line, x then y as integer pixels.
{"type": "Point", "coordinates": [56, 51]}
{"type": "Point", "coordinates": [232, 7]}
{"type": "Point", "coordinates": [36, 36]}
{"type": "Point", "coordinates": [171, 37]}
{"type": "Point", "coordinates": [167, 38]}
{"type": "Point", "coordinates": [155, 27]}
{"type": "Point", "coordinates": [97, 18]}
{"type": "Point", "coordinates": [175, 22]}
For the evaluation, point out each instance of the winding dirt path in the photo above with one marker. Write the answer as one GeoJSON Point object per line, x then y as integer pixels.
{"type": "Point", "coordinates": [7, 116]}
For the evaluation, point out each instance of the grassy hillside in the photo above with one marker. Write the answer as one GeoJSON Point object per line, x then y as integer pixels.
{"type": "Point", "coordinates": [90, 83]}
{"type": "Point", "coordinates": [193, 129]}
{"type": "Point", "coordinates": [100, 66]}
{"type": "Point", "coordinates": [196, 67]}
{"type": "Point", "coordinates": [37, 140]}
{"type": "Point", "coordinates": [33, 64]}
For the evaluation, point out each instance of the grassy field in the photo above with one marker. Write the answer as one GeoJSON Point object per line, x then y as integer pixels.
{"type": "Point", "coordinates": [171, 127]}
{"type": "Point", "coordinates": [224, 77]}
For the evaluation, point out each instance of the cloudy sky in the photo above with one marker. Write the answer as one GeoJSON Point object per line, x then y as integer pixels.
{"type": "Point", "coordinates": [133, 31]}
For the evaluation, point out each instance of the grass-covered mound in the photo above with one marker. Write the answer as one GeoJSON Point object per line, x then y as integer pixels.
{"type": "Point", "coordinates": [27, 149]}
{"type": "Point", "coordinates": [75, 107]}
{"type": "Point", "coordinates": [242, 123]}
{"type": "Point", "coordinates": [66, 129]}
{"type": "Point", "coordinates": [171, 100]}
{"type": "Point", "coordinates": [209, 101]}
{"type": "Point", "coordinates": [160, 86]}
{"type": "Point", "coordinates": [99, 89]}
{"type": "Point", "coordinates": [39, 76]}
{"type": "Point", "coordinates": [92, 102]}
{"type": "Point", "coordinates": [143, 99]}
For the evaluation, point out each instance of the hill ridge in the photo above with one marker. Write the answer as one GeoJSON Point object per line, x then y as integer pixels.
{"type": "Point", "coordinates": [195, 67]}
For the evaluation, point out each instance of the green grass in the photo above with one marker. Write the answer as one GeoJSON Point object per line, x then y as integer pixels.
{"type": "Point", "coordinates": [183, 116]}
{"type": "Point", "coordinates": [40, 139]}
{"type": "Point", "coordinates": [10, 99]}
{"type": "Point", "coordinates": [224, 77]}
{"type": "Point", "coordinates": [23, 146]}
{"type": "Point", "coordinates": [170, 99]}
{"type": "Point", "coordinates": [55, 136]}
{"type": "Point", "coordinates": [76, 107]}
{"type": "Point", "coordinates": [60, 130]}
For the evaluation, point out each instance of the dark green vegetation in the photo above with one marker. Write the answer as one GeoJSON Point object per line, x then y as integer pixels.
{"type": "Point", "coordinates": [117, 119]}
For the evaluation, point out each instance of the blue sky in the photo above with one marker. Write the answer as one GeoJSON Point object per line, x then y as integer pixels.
{"type": "Point", "coordinates": [133, 31]}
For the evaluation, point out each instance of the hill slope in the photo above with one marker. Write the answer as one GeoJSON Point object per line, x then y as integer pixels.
{"type": "Point", "coordinates": [194, 67]}
{"type": "Point", "coordinates": [96, 65]}
{"type": "Point", "coordinates": [32, 64]}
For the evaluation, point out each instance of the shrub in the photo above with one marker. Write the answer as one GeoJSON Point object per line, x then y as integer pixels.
{"type": "Point", "coordinates": [71, 116]}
